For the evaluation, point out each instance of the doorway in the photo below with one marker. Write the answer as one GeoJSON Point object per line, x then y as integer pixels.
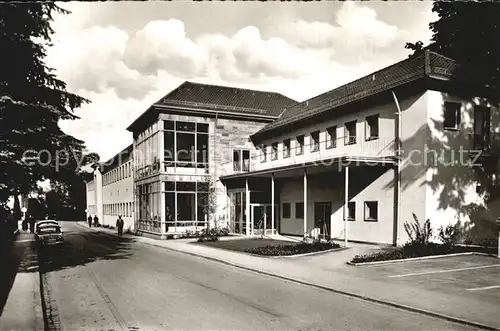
{"type": "Point", "coordinates": [261, 224]}
{"type": "Point", "coordinates": [322, 215]}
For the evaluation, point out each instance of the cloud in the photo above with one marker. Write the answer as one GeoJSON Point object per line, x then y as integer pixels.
{"type": "Point", "coordinates": [123, 71]}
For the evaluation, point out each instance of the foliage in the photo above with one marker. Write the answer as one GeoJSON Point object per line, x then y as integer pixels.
{"type": "Point", "coordinates": [210, 234]}
{"type": "Point", "coordinates": [32, 103]}
{"type": "Point", "coordinates": [292, 249]}
{"type": "Point", "coordinates": [450, 235]}
{"type": "Point", "coordinates": [418, 234]}
{"type": "Point", "coordinates": [419, 245]}
{"type": "Point", "coordinates": [460, 35]}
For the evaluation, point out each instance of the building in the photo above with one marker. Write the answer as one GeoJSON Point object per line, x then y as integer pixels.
{"type": "Point", "coordinates": [334, 157]}
{"type": "Point", "coordinates": [94, 195]}
{"type": "Point", "coordinates": [355, 162]}
{"type": "Point", "coordinates": [181, 144]}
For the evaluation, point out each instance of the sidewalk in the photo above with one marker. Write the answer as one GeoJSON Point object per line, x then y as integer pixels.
{"type": "Point", "coordinates": [330, 272]}
{"type": "Point", "coordinates": [23, 308]}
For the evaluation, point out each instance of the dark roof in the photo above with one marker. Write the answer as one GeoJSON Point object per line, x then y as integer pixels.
{"type": "Point", "coordinates": [118, 159]}
{"type": "Point", "coordinates": [203, 97]}
{"type": "Point", "coordinates": [425, 65]}
{"type": "Point", "coordinates": [225, 98]}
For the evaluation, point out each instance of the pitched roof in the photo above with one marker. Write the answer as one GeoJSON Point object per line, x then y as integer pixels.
{"type": "Point", "coordinates": [426, 64]}
{"type": "Point", "coordinates": [225, 98]}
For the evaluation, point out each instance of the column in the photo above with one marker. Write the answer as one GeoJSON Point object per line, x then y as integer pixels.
{"type": "Point", "coordinates": [161, 159]}
{"type": "Point", "coordinates": [305, 202]}
{"type": "Point", "coordinates": [272, 203]}
{"type": "Point", "coordinates": [247, 208]}
{"type": "Point", "coordinates": [346, 202]}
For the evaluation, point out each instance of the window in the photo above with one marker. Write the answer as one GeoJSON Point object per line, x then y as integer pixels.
{"type": "Point", "coordinates": [299, 210]}
{"type": "Point", "coordinates": [185, 144]}
{"type": "Point", "coordinates": [350, 133]}
{"type": "Point", "coordinates": [263, 151]}
{"type": "Point", "coordinates": [451, 116]}
{"type": "Point", "coordinates": [274, 151]}
{"type": "Point", "coordinates": [286, 209]}
{"type": "Point", "coordinates": [241, 160]}
{"type": "Point", "coordinates": [371, 127]}
{"type": "Point", "coordinates": [331, 137]}
{"type": "Point", "coordinates": [371, 211]}
{"type": "Point", "coordinates": [286, 148]}
{"type": "Point", "coordinates": [351, 211]}
{"type": "Point", "coordinates": [315, 141]}
{"type": "Point", "coordinates": [300, 145]}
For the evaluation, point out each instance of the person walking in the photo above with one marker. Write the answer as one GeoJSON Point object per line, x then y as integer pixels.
{"type": "Point", "coordinates": [89, 219]}
{"type": "Point", "coordinates": [32, 224]}
{"type": "Point", "coordinates": [96, 221]}
{"type": "Point", "coordinates": [119, 225]}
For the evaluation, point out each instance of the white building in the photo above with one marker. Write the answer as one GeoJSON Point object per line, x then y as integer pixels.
{"type": "Point", "coordinates": [327, 165]}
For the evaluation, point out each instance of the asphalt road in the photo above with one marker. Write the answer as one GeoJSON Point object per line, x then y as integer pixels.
{"type": "Point", "coordinates": [101, 282]}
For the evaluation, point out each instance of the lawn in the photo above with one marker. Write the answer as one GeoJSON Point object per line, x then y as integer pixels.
{"type": "Point", "coordinates": [269, 247]}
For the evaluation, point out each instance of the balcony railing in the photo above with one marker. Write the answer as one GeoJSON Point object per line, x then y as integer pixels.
{"type": "Point", "coordinates": [328, 149]}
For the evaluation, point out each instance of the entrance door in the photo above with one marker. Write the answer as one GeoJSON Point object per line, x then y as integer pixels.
{"type": "Point", "coordinates": [322, 213]}
{"type": "Point", "coordinates": [261, 219]}
{"type": "Point", "coordinates": [482, 127]}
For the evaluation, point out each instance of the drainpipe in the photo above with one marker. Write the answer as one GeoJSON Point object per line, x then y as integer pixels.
{"type": "Point", "coordinates": [399, 167]}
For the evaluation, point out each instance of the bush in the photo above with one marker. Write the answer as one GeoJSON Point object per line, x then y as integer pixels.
{"type": "Point", "coordinates": [212, 234]}
{"type": "Point", "coordinates": [292, 249]}
{"type": "Point", "coordinates": [419, 235]}
{"type": "Point", "coordinates": [449, 235]}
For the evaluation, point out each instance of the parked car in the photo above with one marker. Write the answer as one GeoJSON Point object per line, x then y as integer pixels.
{"type": "Point", "coordinates": [49, 234]}
{"type": "Point", "coordinates": [42, 222]}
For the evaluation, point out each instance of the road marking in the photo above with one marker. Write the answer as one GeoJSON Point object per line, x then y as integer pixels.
{"type": "Point", "coordinates": [444, 271]}
{"type": "Point", "coordinates": [483, 288]}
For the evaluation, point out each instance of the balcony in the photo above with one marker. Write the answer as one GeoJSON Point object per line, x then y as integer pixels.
{"type": "Point", "coordinates": [340, 147]}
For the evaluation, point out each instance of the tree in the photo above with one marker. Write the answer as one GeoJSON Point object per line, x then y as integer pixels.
{"type": "Point", "coordinates": [32, 102]}
{"type": "Point", "coordinates": [468, 32]}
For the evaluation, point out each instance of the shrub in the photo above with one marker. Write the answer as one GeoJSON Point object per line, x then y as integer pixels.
{"type": "Point", "coordinates": [292, 249]}
{"type": "Point", "coordinates": [209, 234]}
{"type": "Point", "coordinates": [418, 234]}
{"type": "Point", "coordinates": [449, 235]}
{"type": "Point", "coordinates": [396, 254]}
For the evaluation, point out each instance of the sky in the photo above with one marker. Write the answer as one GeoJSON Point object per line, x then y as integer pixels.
{"type": "Point", "coordinates": [124, 56]}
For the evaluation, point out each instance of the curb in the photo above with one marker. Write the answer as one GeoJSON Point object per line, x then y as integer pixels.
{"type": "Point", "coordinates": [345, 293]}
{"type": "Point", "coordinates": [431, 257]}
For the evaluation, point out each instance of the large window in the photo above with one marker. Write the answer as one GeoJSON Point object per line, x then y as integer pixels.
{"type": "Point", "coordinates": [315, 141]}
{"type": "Point", "coordinates": [241, 160]}
{"type": "Point", "coordinates": [371, 127]}
{"type": "Point", "coordinates": [299, 148]}
{"type": "Point", "coordinates": [451, 115]}
{"type": "Point", "coordinates": [186, 144]}
{"type": "Point", "coordinates": [286, 148]}
{"type": "Point", "coordinates": [274, 151]}
{"type": "Point", "coordinates": [350, 133]}
{"type": "Point", "coordinates": [331, 139]}
{"type": "Point", "coordinates": [186, 203]}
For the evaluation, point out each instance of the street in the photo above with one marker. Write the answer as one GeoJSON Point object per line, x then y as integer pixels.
{"type": "Point", "coordinates": [101, 282]}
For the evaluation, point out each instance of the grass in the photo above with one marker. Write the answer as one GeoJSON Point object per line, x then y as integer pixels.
{"type": "Point", "coordinates": [270, 247]}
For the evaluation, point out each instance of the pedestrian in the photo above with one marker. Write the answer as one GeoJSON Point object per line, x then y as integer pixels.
{"type": "Point", "coordinates": [119, 225]}
{"type": "Point", "coordinates": [25, 224]}
{"type": "Point", "coordinates": [96, 221]}
{"type": "Point", "coordinates": [89, 219]}
{"type": "Point", "coordinates": [32, 224]}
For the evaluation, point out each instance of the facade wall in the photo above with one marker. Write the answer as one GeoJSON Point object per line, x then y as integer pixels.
{"type": "Point", "coordinates": [453, 186]}
{"type": "Point", "coordinates": [222, 136]}
{"type": "Point", "coordinates": [366, 184]}
{"type": "Point", "coordinates": [383, 146]}
{"type": "Point", "coordinates": [117, 195]}
{"type": "Point", "coordinates": [91, 198]}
